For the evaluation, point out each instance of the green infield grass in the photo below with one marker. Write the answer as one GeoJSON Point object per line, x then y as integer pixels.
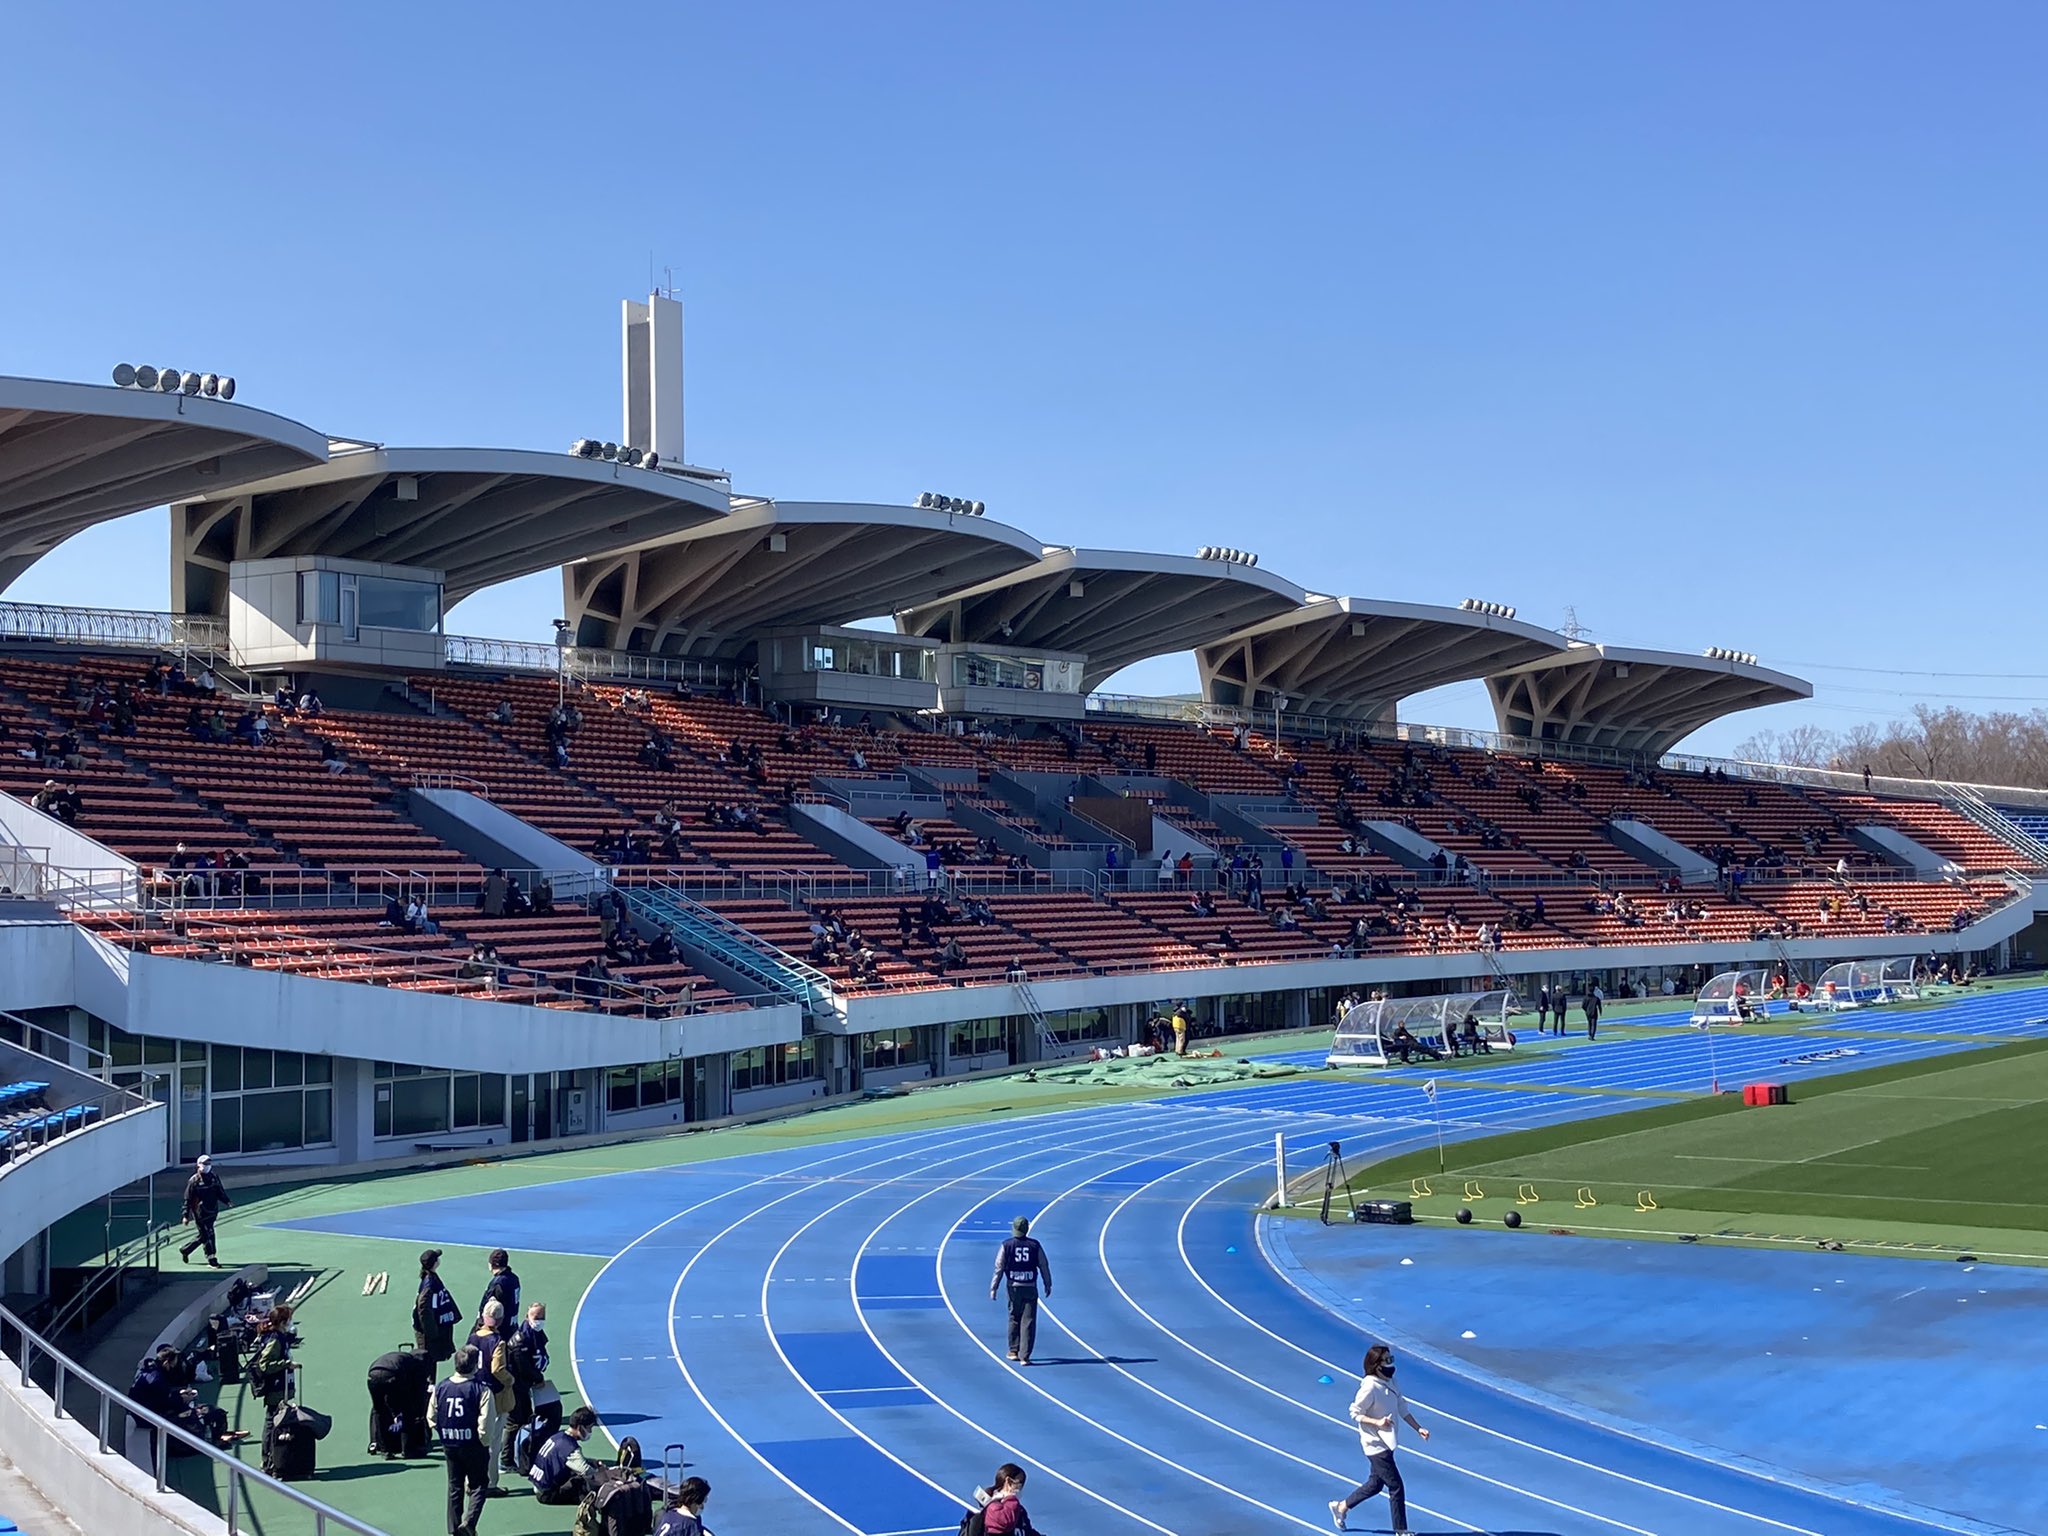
{"type": "Point", "coordinates": [1940, 1155]}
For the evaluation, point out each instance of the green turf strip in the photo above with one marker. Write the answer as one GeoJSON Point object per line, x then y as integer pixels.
{"type": "Point", "coordinates": [1945, 1151]}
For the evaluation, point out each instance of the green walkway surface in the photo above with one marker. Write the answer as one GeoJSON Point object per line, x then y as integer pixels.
{"type": "Point", "coordinates": [343, 1330]}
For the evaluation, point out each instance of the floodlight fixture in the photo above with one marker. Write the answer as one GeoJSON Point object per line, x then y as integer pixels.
{"type": "Point", "coordinates": [124, 375]}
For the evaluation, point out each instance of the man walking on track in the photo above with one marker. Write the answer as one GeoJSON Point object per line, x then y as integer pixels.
{"type": "Point", "coordinates": [1593, 1002]}
{"type": "Point", "coordinates": [1376, 1410]}
{"type": "Point", "coordinates": [204, 1196]}
{"type": "Point", "coordinates": [1021, 1263]}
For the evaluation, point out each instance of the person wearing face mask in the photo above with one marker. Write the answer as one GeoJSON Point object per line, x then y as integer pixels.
{"type": "Point", "coordinates": [1376, 1410]}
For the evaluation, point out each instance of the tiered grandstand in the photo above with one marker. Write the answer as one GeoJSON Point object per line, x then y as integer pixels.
{"type": "Point", "coordinates": [722, 846]}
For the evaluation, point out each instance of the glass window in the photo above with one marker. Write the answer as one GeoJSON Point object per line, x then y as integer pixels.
{"type": "Point", "coordinates": [274, 1120]}
{"type": "Point", "coordinates": [256, 1068]}
{"type": "Point", "coordinates": [319, 597]}
{"type": "Point", "coordinates": [290, 1069]}
{"type": "Point", "coordinates": [419, 1106]}
{"type": "Point", "coordinates": [227, 1125]}
{"type": "Point", "coordinates": [385, 602]}
{"type": "Point", "coordinates": [319, 1069]}
{"type": "Point", "coordinates": [465, 1102]}
{"type": "Point", "coordinates": [800, 1060]}
{"type": "Point", "coordinates": [227, 1068]}
{"type": "Point", "coordinates": [977, 1037]}
{"type": "Point", "coordinates": [319, 1116]}
{"type": "Point", "coordinates": [622, 1089]}
{"type": "Point", "coordinates": [490, 1099]}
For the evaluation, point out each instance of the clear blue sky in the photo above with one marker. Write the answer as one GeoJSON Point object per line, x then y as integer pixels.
{"type": "Point", "coordinates": [1723, 323]}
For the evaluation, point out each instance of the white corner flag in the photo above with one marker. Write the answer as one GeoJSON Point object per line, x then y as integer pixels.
{"type": "Point", "coordinates": [1430, 1088]}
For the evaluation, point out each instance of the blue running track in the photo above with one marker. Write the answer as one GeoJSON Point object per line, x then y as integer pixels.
{"type": "Point", "coordinates": [815, 1323]}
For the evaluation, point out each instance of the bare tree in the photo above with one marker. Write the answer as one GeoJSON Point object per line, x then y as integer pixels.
{"type": "Point", "coordinates": [2003, 747]}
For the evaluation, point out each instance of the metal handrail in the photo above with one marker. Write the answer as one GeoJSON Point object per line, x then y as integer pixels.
{"type": "Point", "coordinates": [139, 1252]}
{"type": "Point", "coordinates": [129, 628]}
{"type": "Point", "coordinates": [748, 953]}
{"type": "Point", "coordinates": [103, 1063]}
{"type": "Point", "coordinates": [347, 960]}
{"type": "Point", "coordinates": [444, 778]}
{"type": "Point", "coordinates": [31, 1350]}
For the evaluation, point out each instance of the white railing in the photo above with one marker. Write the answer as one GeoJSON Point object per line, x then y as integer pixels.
{"type": "Point", "coordinates": [30, 873]}
{"type": "Point", "coordinates": [68, 1391]}
{"type": "Point", "coordinates": [594, 665]}
{"type": "Point", "coordinates": [510, 655]}
{"type": "Point", "coordinates": [590, 664]}
{"type": "Point", "coordinates": [126, 627]}
{"type": "Point", "coordinates": [444, 778]}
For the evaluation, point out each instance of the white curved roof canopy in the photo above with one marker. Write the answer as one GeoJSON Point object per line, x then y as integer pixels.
{"type": "Point", "coordinates": [709, 590]}
{"type": "Point", "coordinates": [1641, 702]}
{"type": "Point", "coordinates": [1115, 607]}
{"type": "Point", "coordinates": [481, 515]}
{"type": "Point", "coordinates": [1356, 658]}
{"type": "Point", "coordinates": [72, 455]}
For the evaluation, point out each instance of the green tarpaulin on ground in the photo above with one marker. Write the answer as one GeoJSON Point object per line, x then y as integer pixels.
{"type": "Point", "coordinates": [1167, 1070]}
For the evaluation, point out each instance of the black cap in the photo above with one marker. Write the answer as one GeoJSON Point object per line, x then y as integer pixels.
{"type": "Point", "coordinates": [429, 1258]}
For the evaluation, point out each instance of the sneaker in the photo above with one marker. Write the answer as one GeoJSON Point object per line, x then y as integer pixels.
{"type": "Point", "coordinates": [1013, 1354]}
{"type": "Point", "coordinates": [213, 1261]}
{"type": "Point", "coordinates": [1337, 1514]}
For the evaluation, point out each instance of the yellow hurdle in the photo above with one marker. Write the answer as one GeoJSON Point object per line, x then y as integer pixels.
{"type": "Point", "coordinates": [1645, 1201]}
{"type": "Point", "coordinates": [1473, 1191]}
{"type": "Point", "coordinates": [1526, 1195]}
{"type": "Point", "coordinates": [1419, 1188]}
{"type": "Point", "coordinates": [1584, 1201]}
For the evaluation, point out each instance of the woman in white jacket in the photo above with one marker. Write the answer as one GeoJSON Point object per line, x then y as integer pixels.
{"type": "Point", "coordinates": [1377, 1409]}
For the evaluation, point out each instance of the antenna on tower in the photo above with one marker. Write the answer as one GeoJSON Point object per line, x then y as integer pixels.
{"type": "Point", "coordinates": [1571, 628]}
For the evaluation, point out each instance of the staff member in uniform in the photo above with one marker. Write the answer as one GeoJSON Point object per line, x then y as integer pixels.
{"type": "Point", "coordinates": [434, 1313]}
{"type": "Point", "coordinates": [1021, 1263]}
{"type": "Point", "coordinates": [502, 1287]}
{"type": "Point", "coordinates": [1374, 1410]}
{"type": "Point", "coordinates": [561, 1473]}
{"type": "Point", "coordinates": [461, 1413]}
{"type": "Point", "coordinates": [204, 1196]}
{"type": "Point", "coordinates": [270, 1366]}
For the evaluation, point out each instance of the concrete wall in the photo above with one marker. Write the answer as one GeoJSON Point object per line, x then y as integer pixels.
{"type": "Point", "coordinates": [852, 841]}
{"type": "Point", "coordinates": [1652, 846]}
{"type": "Point", "coordinates": [68, 849]}
{"type": "Point", "coordinates": [497, 839]}
{"type": "Point", "coordinates": [51, 965]}
{"type": "Point", "coordinates": [98, 1492]}
{"type": "Point", "coordinates": [76, 1169]}
{"type": "Point", "coordinates": [1894, 847]}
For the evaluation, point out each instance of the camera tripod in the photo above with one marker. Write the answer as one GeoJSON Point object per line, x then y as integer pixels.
{"type": "Point", "coordinates": [1335, 1178]}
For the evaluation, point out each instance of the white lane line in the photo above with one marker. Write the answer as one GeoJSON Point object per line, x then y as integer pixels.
{"type": "Point", "coordinates": [675, 1345]}
{"type": "Point", "coordinates": [1109, 1273]}
{"type": "Point", "coordinates": [1570, 1460]}
{"type": "Point", "coordinates": [1151, 1149]}
{"type": "Point", "coordinates": [1116, 1132]}
{"type": "Point", "coordinates": [837, 1154]}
